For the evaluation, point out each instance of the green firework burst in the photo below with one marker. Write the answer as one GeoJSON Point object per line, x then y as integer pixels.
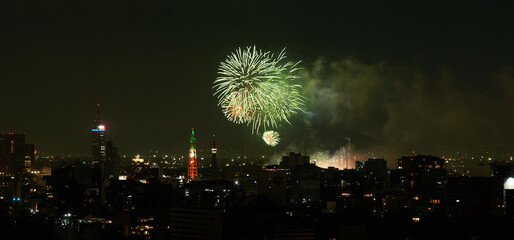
{"type": "Point", "coordinates": [258, 88]}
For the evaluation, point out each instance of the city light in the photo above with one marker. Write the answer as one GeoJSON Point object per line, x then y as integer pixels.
{"type": "Point", "coordinates": [401, 111]}
{"type": "Point", "coordinates": [509, 184]}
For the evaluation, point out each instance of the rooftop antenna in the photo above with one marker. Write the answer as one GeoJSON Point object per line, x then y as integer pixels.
{"type": "Point", "coordinates": [98, 112]}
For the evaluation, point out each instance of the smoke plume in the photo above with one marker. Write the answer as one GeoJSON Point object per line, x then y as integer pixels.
{"type": "Point", "coordinates": [387, 109]}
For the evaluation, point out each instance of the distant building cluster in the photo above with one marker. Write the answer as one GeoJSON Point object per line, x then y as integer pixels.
{"type": "Point", "coordinates": [211, 196]}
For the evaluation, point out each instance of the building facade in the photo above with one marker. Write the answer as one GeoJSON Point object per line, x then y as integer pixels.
{"type": "Point", "coordinates": [98, 143]}
{"type": "Point", "coordinates": [16, 157]}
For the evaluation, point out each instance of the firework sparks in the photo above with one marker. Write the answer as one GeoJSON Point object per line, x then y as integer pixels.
{"type": "Point", "coordinates": [256, 88]}
{"type": "Point", "coordinates": [271, 138]}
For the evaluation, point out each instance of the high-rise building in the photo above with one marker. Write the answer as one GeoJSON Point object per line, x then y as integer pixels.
{"type": "Point", "coordinates": [214, 150]}
{"type": "Point", "coordinates": [98, 143]}
{"type": "Point", "coordinates": [16, 157]}
{"type": "Point", "coordinates": [112, 163]}
{"type": "Point", "coordinates": [375, 169]}
{"type": "Point", "coordinates": [424, 178]}
{"type": "Point", "coordinates": [28, 161]}
{"type": "Point", "coordinates": [99, 150]}
{"type": "Point", "coordinates": [192, 170]}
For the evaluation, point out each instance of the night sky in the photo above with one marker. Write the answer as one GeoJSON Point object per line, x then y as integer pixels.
{"type": "Point", "coordinates": [391, 75]}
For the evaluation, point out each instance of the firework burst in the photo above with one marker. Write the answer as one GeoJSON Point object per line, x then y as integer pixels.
{"type": "Point", "coordinates": [271, 138]}
{"type": "Point", "coordinates": [257, 88]}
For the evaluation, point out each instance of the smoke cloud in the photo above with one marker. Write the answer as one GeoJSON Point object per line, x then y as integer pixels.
{"type": "Point", "coordinates": [388, 109]}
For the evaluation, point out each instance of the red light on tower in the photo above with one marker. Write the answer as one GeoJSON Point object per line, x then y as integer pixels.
{"type": "Point", "coordinates": [192, 170]}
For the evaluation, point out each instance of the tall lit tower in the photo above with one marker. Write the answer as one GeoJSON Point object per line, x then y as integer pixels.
{"type": "Point", "coordinates": [98, 148]}
{"type": "Point", "coordinates": [214, 149]}
{"type": "Point", "coordinates": [192, 170]}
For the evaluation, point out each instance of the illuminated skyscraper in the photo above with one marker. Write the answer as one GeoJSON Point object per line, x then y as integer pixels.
{"type": "Point", "coordinates": [214, 149]}
{"type": "Point", "coordinates": [98, 144]}
{"type": "Point", "coordinates": [192, 170]}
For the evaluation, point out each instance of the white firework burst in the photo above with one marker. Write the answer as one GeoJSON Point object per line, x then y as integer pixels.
{"type": "Point", "coordinates": [271, 138]}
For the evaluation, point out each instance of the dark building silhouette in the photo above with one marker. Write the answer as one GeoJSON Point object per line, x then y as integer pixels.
{"type": "Point", "coordinates": [305, 183]}
{"type": "Point", "coordinates": [376, 169]}
{"type": "Point", "coordinates": [214, 171]}
{"type": "Point", "coordinates": [294, 180]}
{"type": "Point", "coordinates": [502, 170]}
{"type": "Point", "coordinates": [16, 157]}
{"type": "Point", "coordinates": [475, 196]}
{"type": "Point", "coordinates": [274, 183]}
{"type": "Point", "coordinates": [359, 165]}
{"type": "Point", "coordinates": [112, 164]}
{"type": "Point", "coordinates": [190, 223]}
{"type": "Point", "coordinates": [424, 179]}
{"type": "Point", "coordinates": [28, 163]}
{"type": "Point", "coordinates": [331, 180]}
{"type": "Point", "coordinates": [75, 187]}
{"type": "Point", "coordinates": [375, 173]}
{"type": "Point", "coordinates": [294, 160]}
{"type": "Point", "coordinates": [509, 202]}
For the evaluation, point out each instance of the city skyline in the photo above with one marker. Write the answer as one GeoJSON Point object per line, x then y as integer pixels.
{"type": "Point", "coordinates": [256, 119]}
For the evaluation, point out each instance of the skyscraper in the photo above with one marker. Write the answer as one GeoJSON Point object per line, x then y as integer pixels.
{"type": "Point", "coordinates": [112, 163]}
{"type": "Point", "coordinates": [16, 157]}
{"type": "Point", "coordinates": [28, 161]}
{"type": "Point", "coordinates": [214, 149]}
{"type": "Point", "coordinates": [192, 170]}
{"type": "Point", "coordinates": [424, 178]}
{"type": "Point", "coordinates": [98, 144]}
